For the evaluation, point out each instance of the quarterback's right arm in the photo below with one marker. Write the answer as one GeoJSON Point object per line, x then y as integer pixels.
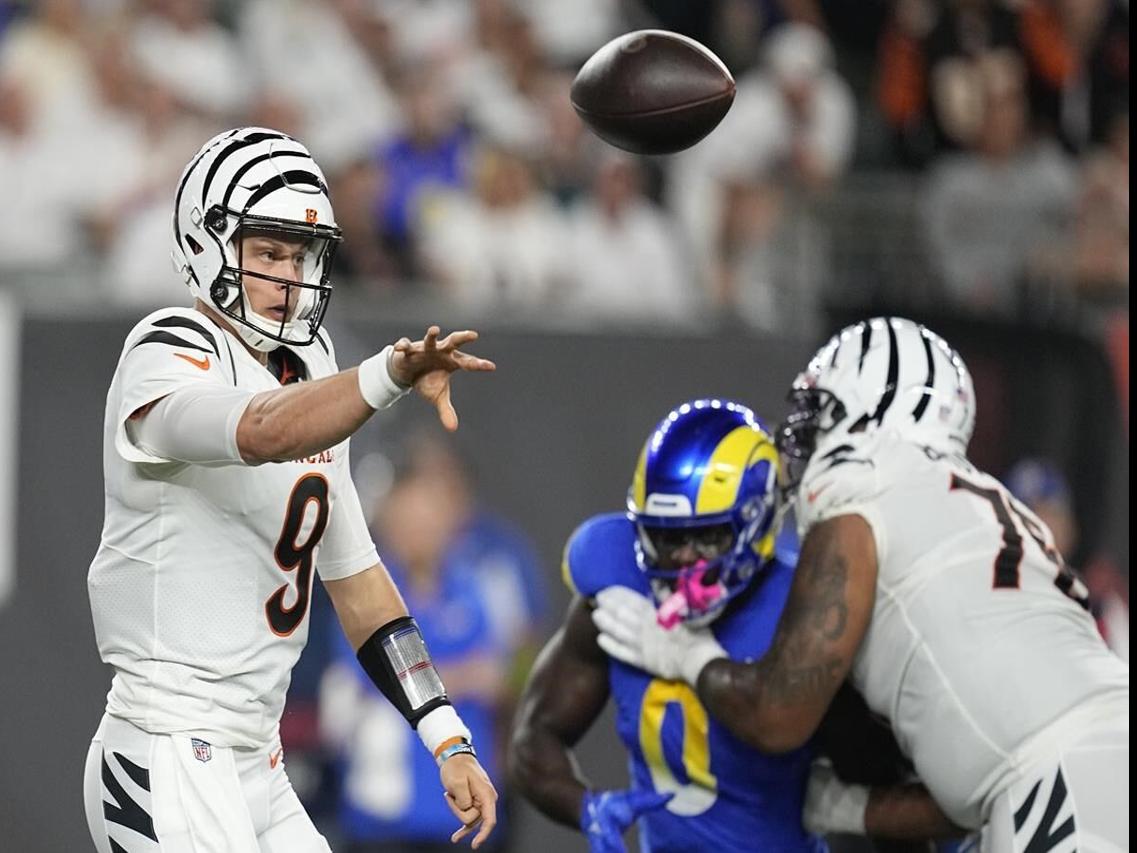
{"type": "Point", "coordinates": [307, 417]}
{"type": "Point", "coordinates": [189, 412]}
{"type": "Point", "coordinates": [566, 691]}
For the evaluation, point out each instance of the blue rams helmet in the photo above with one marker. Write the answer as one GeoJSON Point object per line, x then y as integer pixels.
{"type": "Point", "coordinates": [703, 499]}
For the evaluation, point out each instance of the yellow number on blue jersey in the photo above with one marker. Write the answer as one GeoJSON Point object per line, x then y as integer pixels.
{"type": "Point", "coordinates": [700, 793]}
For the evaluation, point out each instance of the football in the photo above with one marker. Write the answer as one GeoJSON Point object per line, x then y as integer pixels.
{"type": "Point", "coordinates": [652, 92]}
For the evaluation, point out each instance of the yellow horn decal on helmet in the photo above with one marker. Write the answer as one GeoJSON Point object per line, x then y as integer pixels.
{"type": "Point", "coordinates": [566, 570]}
{"type": "Point", "coordinates": [639, 481]}
{"type": "Point", "coordinates": [766, 450]}
{"type": "Point", "coordinates": [724, 470]}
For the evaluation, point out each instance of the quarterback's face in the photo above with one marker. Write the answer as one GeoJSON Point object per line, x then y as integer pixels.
{"type": "Point", "coordinates": [280, 258]}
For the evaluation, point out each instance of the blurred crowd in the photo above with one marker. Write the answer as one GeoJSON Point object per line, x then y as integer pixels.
{"type": "Point", "coordinates": [969, 156]}
{"type": "Point", "coordinates": [458, 168]}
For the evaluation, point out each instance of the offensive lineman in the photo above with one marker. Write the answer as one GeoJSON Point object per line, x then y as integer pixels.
{"type": "Point", "coordinates": [942, 598]}
{"type": "Point", "coordinates": [225, 457]}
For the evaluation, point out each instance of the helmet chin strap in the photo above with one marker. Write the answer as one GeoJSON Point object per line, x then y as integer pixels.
{"type": "Point", "coordinates": [256, 328]}
{"type": "Point", "coordinates": [249, 331]}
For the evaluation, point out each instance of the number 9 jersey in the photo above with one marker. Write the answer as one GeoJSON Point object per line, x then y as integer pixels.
{"type": "Point", "coordinates": [200, 587]}
{"type": "Point", "coordinates": [728, 796]}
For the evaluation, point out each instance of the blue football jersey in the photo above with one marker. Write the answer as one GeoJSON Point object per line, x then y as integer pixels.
{"type": "Point", "coordinates": [728, 796]}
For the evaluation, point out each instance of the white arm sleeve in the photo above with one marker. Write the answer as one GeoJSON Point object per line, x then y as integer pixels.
{"type": "Point", "coordinates": [196, 424]}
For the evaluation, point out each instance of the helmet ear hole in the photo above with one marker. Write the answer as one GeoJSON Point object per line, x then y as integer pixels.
{"type": "Point", "coordinates": [195, 246]}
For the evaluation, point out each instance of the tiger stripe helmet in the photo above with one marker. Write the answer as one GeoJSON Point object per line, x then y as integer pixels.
{"type": "Point", "coordinates": [254, 179]}
{"type": "Point", "coordinates": [887, 373]}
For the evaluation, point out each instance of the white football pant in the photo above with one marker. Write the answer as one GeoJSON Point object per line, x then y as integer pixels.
{"type": "Point", "coordinates": [1077, 800]}
{"type": "Point", "coordinates": [175, 794]}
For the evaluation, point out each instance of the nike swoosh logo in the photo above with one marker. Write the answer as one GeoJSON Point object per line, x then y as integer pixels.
{"type": "Point", "coordinates": [199, 363]}
{"type": "Point", "coordinates": [274, 759]}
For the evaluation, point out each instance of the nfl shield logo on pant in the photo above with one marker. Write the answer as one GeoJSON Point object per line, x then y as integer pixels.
{"type": "Point", "coordinates": [201, 750]}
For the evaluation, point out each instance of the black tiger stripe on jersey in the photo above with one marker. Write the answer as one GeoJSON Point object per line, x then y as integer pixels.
{"type": "Point", "coordinates": [167, 338]}
{"type": "Point", "coordinates": [124, 810]}
{"type": "Point", "coordinates": [838, 450]}
{"type": "Point", "coordinates": [116, 847]}
{"type": "Point", "coordinates": [290, 178]}
{"type": "Point", "coordinates": [929, 383]}
{"type": "Point", "coordinates": [234, 182]}
{"type": "Point", "coordinates": [186, 323]}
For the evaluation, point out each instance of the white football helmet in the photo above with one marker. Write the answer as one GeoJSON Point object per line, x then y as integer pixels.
{"type": "Point", "coordinates": [884, 373]}
{"type": "Point", "coordinates": [262, 181]}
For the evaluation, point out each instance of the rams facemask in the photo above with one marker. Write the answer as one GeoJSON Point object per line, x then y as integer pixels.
{"type": "Point", "coordinates": [703, 499]}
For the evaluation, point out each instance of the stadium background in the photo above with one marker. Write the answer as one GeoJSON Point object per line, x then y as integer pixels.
{"type": "Point", "coordinates": [608, 289]}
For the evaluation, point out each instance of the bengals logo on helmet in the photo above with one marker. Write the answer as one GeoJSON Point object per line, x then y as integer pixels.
{"type": "Point", "coordinates": [310, 216]}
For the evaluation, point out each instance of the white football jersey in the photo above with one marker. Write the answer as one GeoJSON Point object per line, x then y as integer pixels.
{"type": "Point", "coordinates": [978, 641]}
{"type": "Point", "coordinates": [201, 584]}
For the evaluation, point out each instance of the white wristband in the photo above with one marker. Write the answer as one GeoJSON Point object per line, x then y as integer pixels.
{"type": "Point", "coordinates": [439, 726]}
{"type": "Point", "coordinates": [378, 388]}
{"type": "Point", "coordinates": [699, 655]}
{"type": "Point", "coordinates": [832, 805]}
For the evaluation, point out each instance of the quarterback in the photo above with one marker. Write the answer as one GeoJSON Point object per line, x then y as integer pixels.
{"type": "Point", "coordinates": [938, 594]}
{"type": "Point", "coordinates": [227, 487]}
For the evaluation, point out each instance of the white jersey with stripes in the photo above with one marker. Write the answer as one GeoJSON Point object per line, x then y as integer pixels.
{"type": "Point", "coordinates": [201, 584]}
{"type": "Point", "coordinates": [979, 640]}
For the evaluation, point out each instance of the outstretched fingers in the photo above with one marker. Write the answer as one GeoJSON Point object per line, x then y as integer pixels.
{"type": "Point", "coordinates": [465, 361]}
{"type": "Point", "coordinates": [458, 339]}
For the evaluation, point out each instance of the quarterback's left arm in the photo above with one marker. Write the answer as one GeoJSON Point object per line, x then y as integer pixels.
{"type": "Point", "coordinates": [390, 649]}
{"type": "Point", "coordinates": [364, 602]}
{"type": "Point", "coordinates": [776, 703]}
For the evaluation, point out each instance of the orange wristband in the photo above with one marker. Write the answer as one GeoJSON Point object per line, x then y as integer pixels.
{"type": "Point", "coordinates": [446, 744]}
